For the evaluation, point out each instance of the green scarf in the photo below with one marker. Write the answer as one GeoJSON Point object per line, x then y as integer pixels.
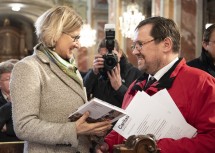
{"type": "Point", "coordinates": [68, 68]}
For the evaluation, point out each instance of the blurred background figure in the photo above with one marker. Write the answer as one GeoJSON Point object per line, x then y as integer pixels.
{"type": "Point", "coordinates": [13, 60]}
{"type": "Point", "coordinates": [206, 60]}
{"type": "Point", "coordinates": [82, 61]}
{"type": "Point", "coordinates": [6, 124]}
{"type": "Point", "coordinates": [110, 87]}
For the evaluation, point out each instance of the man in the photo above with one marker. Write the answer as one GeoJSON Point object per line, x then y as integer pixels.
{"type": "Point", "coordinates": [207, 59]}
{"type": "Point", "coordinates": [110, 86]}
{"type": "Point", "coordinates": [6, 125]}
{"type": "Point", "coordinates": [156, 46]}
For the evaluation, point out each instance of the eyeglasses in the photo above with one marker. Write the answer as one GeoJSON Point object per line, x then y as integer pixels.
{"type": "Point", "coordinates": [138, 45]}
{"type": "Point", "coordinates": [76, 38]}
{"type": "Point", "coordinates": [3, 80]}
{"type": "Point", "coordinates": [213, 42]}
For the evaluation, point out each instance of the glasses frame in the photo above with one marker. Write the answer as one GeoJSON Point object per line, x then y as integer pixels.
{"type": "Point", "coordinates": [213, 42]}
{"type": "Point", "coordinates": [76, 38]}
{"type": "Point", "coordinates": [4, 80]}
{"type": "Point", "coordinates": [140, 44]}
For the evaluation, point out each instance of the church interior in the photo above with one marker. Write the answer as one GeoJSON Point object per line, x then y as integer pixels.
{"type": "Point", "coordinates": [17, 33]}
{"type": "Point", "coordinates": [18, 37]}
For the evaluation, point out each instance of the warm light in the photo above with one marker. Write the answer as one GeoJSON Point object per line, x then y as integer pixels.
{"type": "Point", "coordinates": [16, 6]}
{"type": "Point", "coordinates": [88, 36]}
{"type": "Point", "coordinates": [130, 19]}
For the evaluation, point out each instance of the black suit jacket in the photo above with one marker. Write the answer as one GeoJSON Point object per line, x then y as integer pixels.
{"type": "Point", "coordinates": [2, 99]}
{"type": "Point", "coordinates": [204, 62]}
{"type": "Point", "coordinates": [6, 118]}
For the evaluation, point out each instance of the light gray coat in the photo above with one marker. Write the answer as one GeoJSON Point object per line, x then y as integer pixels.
{"type": "Point", "coordinates": [43, 97]}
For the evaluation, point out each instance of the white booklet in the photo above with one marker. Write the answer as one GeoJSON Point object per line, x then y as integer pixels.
{"type": "Point", "coordinates": [99, 111]}
{"type": "Point", "coordinates": [156, 115]}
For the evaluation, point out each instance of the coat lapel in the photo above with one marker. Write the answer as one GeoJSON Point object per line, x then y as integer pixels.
{"type": "Point", "coordinates": [168, 78]}
{"type": "Point", "coordinates": [79, 89]}
{"type": "Point", "coordinates": [165, 81]}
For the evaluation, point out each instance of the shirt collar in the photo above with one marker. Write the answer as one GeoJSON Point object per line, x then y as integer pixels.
{"type": "Point", "coordinates": [4, 95]}
{"type": "Point", "coordinates": [162, 71]}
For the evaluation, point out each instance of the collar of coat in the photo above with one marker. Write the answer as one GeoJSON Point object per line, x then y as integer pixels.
{"type": "Point", "coordinates": [165, 81]}
{"type": "Point", "coordinates": [59, 73]}
{"type": "Point", "coordinates": [207, 61]}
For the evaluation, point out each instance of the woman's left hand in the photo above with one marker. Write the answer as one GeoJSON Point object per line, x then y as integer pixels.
{"type": "Point", "coordinates": [98, 128]}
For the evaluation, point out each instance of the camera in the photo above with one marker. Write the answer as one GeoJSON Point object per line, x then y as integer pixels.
{"type": "Point", "coordinates": [110, 59]}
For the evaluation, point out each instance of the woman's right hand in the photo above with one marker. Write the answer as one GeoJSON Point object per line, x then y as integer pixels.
{"type": "Point", "coordinates": [98, 63]}
{"type": "Point", "coordinates": [99, 128]}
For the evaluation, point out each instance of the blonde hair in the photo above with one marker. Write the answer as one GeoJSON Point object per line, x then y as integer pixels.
{"type": "Point", "coordinates": [50, 25]}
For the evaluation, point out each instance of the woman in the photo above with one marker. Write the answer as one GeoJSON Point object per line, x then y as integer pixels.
{"type": "Point", "coordinates": [46, 88]}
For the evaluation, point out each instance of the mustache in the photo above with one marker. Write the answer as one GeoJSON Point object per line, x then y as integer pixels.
{"type": "Point", "coordinates": [140, 56]}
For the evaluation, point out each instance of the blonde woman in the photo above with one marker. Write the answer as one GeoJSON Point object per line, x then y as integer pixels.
{"type": "Point", "coordinates": [46, 88]}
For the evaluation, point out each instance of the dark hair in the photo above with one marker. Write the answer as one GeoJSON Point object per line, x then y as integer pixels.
{"type": "Point", "coordinates": [208, 32]}
{"type": "Point", "coordinates": [163, 28]}
{"type": "Point", "coordinates": [102, 44]}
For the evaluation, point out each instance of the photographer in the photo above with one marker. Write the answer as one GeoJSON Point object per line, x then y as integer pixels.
{"type": "Point", "coordinates": [112, 85]}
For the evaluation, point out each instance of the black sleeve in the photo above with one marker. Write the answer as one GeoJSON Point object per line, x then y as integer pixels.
{"type": "Point", "coordinates": [90, 80]}
{"type": "Point", "coordinates": [121, 92]}
{"type": "Point", "coordinates": [132, 75]}
{"type": "Point", "coordinates": [5, 114]}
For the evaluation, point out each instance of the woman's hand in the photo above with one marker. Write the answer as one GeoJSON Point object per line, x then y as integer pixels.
{"type": "Point", "coordinates": [99, 128]}
{"type": "Point", "coordinates": [115, 77]}
{"type": "Point", "coordinates": [98, 63]}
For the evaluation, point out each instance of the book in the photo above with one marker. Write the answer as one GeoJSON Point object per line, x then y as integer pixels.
{"type": "Point", "coordinates": [99, 111]}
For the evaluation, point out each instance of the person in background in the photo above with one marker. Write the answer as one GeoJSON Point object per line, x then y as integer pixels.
{"type": "Point", "coordinates": [46, 88]}
{"type": "Point", "coordinates": [156, 45]}
{"type": "Point", "coordinates": [82, 61]}
{"type": "Point", "coordinates": [6, 125]}
{"type": "Point", "coordinates": [206, 61]}
{"type": "Point", "coordinates": [13, 60]}
{"type": "Point", "coordinates": [113, 88]}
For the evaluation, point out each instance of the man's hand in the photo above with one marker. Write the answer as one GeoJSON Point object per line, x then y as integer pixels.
{"type": "Point", "coordinates": [98, 63]}
{"type": "Point", "coordinates": [99, 128]}
{"type": "Point", "coordinates": [115, 77]}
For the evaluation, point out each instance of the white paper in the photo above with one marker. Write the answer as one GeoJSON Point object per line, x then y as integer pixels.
{"type": "Point", "coordinates": [168, 102]}
{"type": "Point", "coordinates": [156, 115]}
